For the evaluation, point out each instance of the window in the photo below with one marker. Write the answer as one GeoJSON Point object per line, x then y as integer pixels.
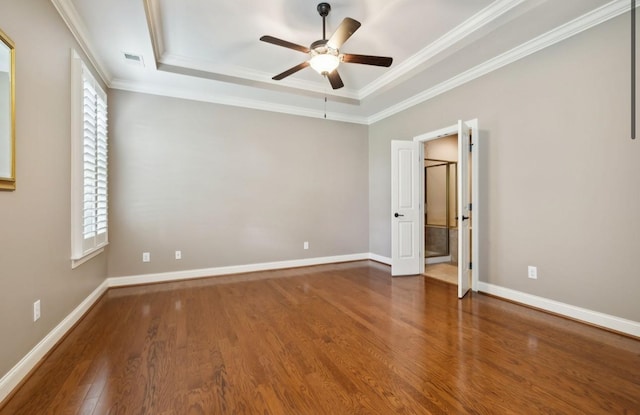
{"type": "Point", "coordinates": [89, 219]}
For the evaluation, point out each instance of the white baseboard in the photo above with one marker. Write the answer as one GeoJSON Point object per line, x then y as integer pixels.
{"type": "Point", "coordinates": [14, 376]}
{"type": "Point", "coordinates": [228, 270]}
{"type": "Point", "coordinates": [380, 258]}
{"type": "Point", "coordinates": [437, 260]}
{"type": "Point", "coordinates": [589, 316]}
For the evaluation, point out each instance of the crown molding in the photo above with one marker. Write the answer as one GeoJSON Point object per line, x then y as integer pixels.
{"type": "Point", "coordinates": [578, 25]}
{"type": "Point", "coordinates": [70, 16]}
{"type": "Point", "coordinates": [163, 90]}
{"type": "Point", "coordinates": [154, 24]}
{"type": "Point", "coordinates": [475, 22]}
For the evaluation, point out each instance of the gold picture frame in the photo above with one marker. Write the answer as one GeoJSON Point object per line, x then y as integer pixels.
{"type": "Point", "coordinates": [7, 113]}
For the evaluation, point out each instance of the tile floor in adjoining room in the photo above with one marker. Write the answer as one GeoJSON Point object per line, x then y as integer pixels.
{"type": "Point", "coordinates": [444, 272]}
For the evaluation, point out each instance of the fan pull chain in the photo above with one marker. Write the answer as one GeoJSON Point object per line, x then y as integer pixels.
{"type": "Point", "coordinates": [325, 107]}
{"type": "Point", "coordinates": [325, 99]}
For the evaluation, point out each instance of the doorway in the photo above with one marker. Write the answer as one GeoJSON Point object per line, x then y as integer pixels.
{"type": "Point", "coordinates": [440, 207]}
{"type": "Point", "coordinates": [407, 204]}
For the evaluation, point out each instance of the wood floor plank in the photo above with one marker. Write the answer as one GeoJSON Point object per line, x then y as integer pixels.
{"type": "Point", "coordinates": [333, 339]}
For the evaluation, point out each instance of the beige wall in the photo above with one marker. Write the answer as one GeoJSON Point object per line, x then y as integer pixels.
{"type": "Point", "coordinates": [230, 186]}
{"type": "Point", "coordinates": [560, 176]}
{"type": "Point", "coordinates": [35, 241]}
{"type": "Point", "coordinates": [445, 148]}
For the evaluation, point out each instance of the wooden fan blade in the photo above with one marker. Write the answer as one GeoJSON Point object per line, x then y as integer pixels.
{"type": "Point", "coordinates": [343, 32]}
{"type": "Point", "coordinates": [335, 80]}
{"type": "Point", "coordinates": [367, 60]}
{"type": "Point", "coordinates": [284, 43]}
{"type": "Point", "coordinates": [291, 71]}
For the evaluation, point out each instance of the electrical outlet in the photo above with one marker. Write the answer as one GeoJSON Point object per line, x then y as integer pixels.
{"type": "Point", "coordinates": [532, 272]}
{"type": "Point", "coordinates": [36, 310]}
{"type": "Point", "coordinates": [146, 257]}
{"type": "Point", "coordinates": [178, 254]}
{"type": "Point", "coordinates": [305, 245]}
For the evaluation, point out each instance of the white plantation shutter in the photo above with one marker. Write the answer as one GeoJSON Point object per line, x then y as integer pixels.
{"type": "Point", "coordinates": [89, 158]}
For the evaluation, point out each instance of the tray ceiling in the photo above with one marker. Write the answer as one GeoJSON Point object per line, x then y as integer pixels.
{"type": "Point", "coordinates": [210, 50]}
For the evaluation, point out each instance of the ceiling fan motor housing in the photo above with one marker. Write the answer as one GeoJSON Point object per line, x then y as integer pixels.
{"type": "Point", "coordinates": [324, 9]}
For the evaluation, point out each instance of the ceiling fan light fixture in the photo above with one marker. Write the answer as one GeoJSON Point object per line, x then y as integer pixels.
{"type": "Point", "coordinates": [324, 63]}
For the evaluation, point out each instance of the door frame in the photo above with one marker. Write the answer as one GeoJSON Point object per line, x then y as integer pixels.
{"type": "Point", "coordinates": [475, 191]}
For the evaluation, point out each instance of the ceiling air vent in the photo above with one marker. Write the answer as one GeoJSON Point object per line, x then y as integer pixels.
{"type": "Point", "coordinates": [134, 59]}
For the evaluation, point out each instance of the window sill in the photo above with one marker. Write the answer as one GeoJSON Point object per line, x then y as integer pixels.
{"type": "Point", "coordinates": [77, 262]}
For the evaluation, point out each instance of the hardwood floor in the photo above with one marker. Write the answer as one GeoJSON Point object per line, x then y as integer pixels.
{"type": "Point", "coordinates": [335, 339]}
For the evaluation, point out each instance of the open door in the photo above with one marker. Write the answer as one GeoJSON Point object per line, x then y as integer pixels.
{"type": "Point", "coordinates": [464, 213]}
{"type": "Point", "coordinates": [406, 236]}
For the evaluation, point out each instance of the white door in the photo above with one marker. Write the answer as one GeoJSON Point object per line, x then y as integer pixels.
{"type": "Point", "coordinates": [405, 209]}
{"type": "Point", "coordinates": [463, 213]}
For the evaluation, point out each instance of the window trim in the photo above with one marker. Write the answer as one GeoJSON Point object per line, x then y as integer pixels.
{"type": "Point", "coordinates": [82, 249]}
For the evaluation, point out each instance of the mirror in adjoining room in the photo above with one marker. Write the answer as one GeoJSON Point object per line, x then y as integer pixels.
{"type": "Point", "coordinates": [7, 114]}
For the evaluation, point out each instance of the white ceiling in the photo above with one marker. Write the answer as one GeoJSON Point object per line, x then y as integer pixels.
{"type": "Point", "coordinates": [209, 50]}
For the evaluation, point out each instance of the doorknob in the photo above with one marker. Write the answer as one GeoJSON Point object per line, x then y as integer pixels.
{"type": "Point", "coordinates": [465, 217]}
{"type": "Point", "coordinates": [397, 214]}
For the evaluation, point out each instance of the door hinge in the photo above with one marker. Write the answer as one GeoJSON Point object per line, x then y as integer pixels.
{"type": "Point", "coordinates": [470, 147]}
{"type": "Point", "coordinates": [470, 205]}
{"type": "Point", "coordinates": [470, 265]}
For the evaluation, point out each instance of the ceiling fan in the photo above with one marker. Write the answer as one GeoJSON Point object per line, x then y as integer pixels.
{"type": "Point", "coordinates": [324, 54]}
